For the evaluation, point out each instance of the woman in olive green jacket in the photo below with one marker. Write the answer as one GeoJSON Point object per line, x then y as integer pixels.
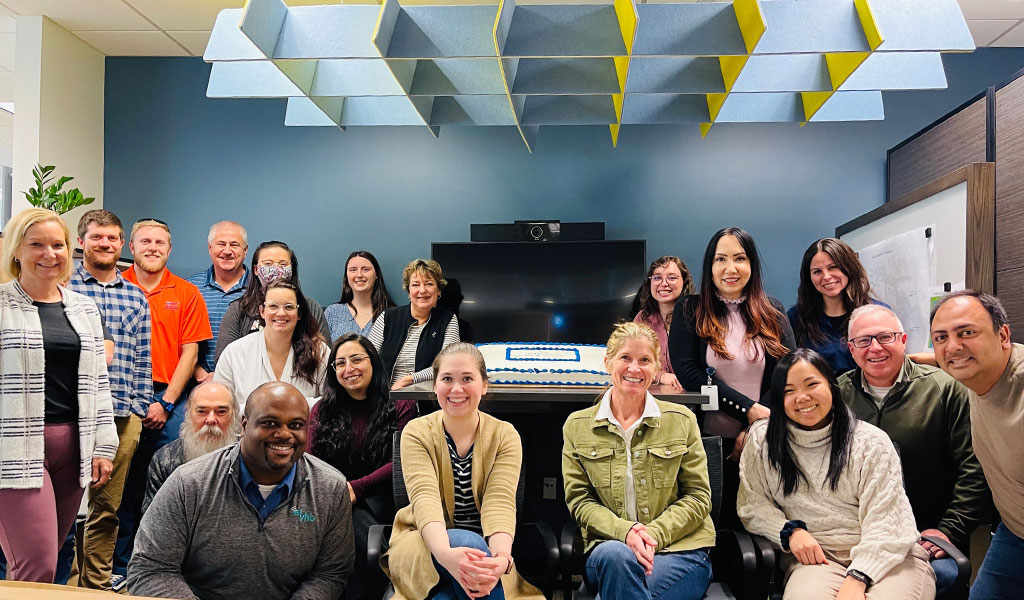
{"type": "Point", "coordinates": [461, 469]}
{"type": "Point", "coordinates": [636, 481]}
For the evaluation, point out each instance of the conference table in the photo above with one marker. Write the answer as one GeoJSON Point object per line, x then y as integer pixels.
{"type": "Point", "coordinates": [23, 590]}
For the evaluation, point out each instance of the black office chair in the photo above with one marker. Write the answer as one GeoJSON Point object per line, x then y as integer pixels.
{"type": "Point", "coordinates": [742, 565]}
{"type": "Point", "coordinates": [534, 549]}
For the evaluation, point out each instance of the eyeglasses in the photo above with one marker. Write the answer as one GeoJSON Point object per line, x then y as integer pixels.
{"type": "Point", "coordinates": [356, 361]}
{"type": "Point", "coordinates": [274, 307]}
{"type": "Point", "coordinates": [886, 337]}
{"type": "Point", "coordinates": [280, 263]}
{"type": "Point", "coordinates": [671, 279]}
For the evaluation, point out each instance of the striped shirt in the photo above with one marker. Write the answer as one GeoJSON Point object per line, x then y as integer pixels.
{"type": "Point", "coordinates": [406, 360]}
{"type": "Point", "coordinates": [466, 514]}
{"type": "Point", "coordinates": [125, 312]}
{"type": "Point", "coordinates": [217, 300]}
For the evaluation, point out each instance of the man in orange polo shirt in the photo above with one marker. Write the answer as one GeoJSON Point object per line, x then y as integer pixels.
{"type": "Point", "coordinates": [180, 323]}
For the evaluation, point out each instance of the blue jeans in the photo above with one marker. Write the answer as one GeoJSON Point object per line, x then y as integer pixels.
{"type": "Point", "coordinates": [945, 574]}
{"type": "Point", "coordinates": [1000, 576]}
{"type": "Point", "coordinates": [612, 570]}
{"type": "Point", "coordinates": [448, 588]}
{"type": "Point", "coordinates": [130, 512]}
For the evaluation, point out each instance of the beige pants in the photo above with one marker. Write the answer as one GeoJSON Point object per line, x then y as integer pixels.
{"type": "Point", "coordinates": [913, 579]}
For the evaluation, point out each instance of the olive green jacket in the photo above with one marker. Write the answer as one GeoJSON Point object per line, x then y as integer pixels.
{"type": "Point", "coordinates": [673, 497]}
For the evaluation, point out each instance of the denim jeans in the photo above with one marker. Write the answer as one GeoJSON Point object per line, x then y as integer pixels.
{"type": "Point", "coordinates": [612, 570]}
{"type": "Point", "coordinates": [1000, 576]}
{"type": "Point", "coordinates": [945, 574]}
{"type": "Point", "coordinates": [449, 588]}
{"type": "Point", "coordinates": [130, 512]}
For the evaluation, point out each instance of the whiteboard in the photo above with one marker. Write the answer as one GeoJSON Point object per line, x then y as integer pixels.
{"type": "Point", "coordinates": [946, 213]}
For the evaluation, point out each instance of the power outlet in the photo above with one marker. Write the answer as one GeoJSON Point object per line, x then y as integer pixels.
{"type": "Point", "coordinates": [550, 488]}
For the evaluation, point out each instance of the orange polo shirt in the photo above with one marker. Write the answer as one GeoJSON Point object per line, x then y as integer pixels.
{"type": "Point", "coordinates": [178, 315]}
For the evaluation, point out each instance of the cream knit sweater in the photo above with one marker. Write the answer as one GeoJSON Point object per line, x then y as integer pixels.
{"type": "Point", "coordinates": [868, 514]}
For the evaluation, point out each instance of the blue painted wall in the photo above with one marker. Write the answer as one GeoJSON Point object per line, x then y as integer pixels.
{"type": "Point", "coordinates": [172, 153]}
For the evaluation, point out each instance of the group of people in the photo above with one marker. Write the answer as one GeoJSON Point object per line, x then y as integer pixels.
{"type": "Point", "coordinates": [229, 411]}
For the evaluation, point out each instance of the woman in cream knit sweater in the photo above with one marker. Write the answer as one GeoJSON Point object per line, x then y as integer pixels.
{"type": "Point", "coordinates": [828, 490]}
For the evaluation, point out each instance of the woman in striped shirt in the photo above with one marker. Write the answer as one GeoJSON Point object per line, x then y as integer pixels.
{"type": "Point", "coordinates": [461, 469]}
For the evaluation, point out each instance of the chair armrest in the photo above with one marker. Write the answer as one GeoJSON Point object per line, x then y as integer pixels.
{"type": "Point", "coordinates": [769, 565]}
{"type": "Point", "coordinates": [736, 564]}
{"type": "Point", "coordinates": [567, 541]}
{"type": "Point", "coordinates": [536, 550]}
{"type": "Point", "coordinates": [376, 546]}
{"type": "Point", "coordinates": [963, 564]}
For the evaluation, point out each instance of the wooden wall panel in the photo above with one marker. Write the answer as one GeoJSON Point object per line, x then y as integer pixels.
{"type": "Point", "coordinates": [1011, 294]}
{"type": "Point", "coordinates": [953, 143]}
{"type": "Point", "coordinates": [1010, 177]}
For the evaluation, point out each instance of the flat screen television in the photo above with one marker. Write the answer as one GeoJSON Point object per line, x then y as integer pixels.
{"type": "Point", "coordinates": [544, 291]}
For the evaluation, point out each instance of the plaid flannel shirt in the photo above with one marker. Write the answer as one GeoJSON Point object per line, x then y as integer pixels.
{"type": "Point", "coordinates": [125, 312]}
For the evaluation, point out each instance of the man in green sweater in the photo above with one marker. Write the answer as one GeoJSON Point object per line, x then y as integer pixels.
{"type": "Point", "coordinates": [925, 413]}
{"type": "Point", "coordinates": [971, 336]}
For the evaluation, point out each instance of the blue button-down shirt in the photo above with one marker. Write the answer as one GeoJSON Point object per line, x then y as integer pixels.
{"type": "Point", "coordinates": [274, 499]}
{"type": "Point", "coordinates": [217, 301]}
{"type": "Point", "coordinates": [126, 314]}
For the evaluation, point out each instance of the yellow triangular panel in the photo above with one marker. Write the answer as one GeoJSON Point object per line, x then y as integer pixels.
{"type": "Point", "coordinates": [813, 101]}
{"type": "Point", "coordinates": [615, 134]}
{"type": "Point", "coordinates": [715, 102]}
{"type": "Point", "coordinates": [751, 22]}
{"type": "Point", "coordinates": [300, 72]}
{"type": "Point", "coordinates": [732, 66]}
{"type": "Point", "coordinates": [704, 129]}
{"type": "Point", "coordinates": [621, 68]}
{"type": "Point", "coordinates": [625, 11]}
{"type": "Point", "coordinates": [842, 64]}
{"type": "Point", "coordinates": [867, 21]}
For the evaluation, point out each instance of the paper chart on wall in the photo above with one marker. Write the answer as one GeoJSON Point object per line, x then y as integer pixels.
{"type": "Point", "coordinates": [900, 270]}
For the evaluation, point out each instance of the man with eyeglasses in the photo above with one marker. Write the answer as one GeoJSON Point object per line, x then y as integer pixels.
{"type": "Point", "coordinates": [925, 412]}
{"type": "Point", "coordinates": [221, 284]}
{"type": "Point", "coordinates": [179, 323]}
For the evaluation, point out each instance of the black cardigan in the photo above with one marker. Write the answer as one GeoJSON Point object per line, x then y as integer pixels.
{"type": "Point", "coordinates": [688, 353]}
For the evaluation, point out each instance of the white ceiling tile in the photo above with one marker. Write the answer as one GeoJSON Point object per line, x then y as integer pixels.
{"type": "Point", "coordinates": [1011, 39]}
{"type": "Point", "coordinates": [992, 9]}
{"type": "Point", "coordinates": [195, 41]}
{"type": "Point", "coordinates": [84, 15]}
{"type": "Point", "coordinates": [132, 43]}
{"type": "Point", "coordinates": [6, 86]}
{"type": "Point", "coordinates": [184, 15]}
{"type": "Point", "coordinates": [7, 51]}
{"type": "Point", "coordinates": [986, 31]}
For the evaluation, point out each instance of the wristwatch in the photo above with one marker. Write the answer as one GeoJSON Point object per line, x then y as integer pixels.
{"type": "Point", "coordinates": [859, 576]}
{"type": "Point", "coordinates": [788, 530]}
{"type": "Point", "coordinates": [510, 561]}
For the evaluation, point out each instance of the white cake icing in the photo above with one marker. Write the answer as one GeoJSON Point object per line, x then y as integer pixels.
{"type": "Point", "coordinates": [544, 363]}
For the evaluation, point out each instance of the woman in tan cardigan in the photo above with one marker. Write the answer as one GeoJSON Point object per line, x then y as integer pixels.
{"type": "Point", "coordinates": [461, 467]}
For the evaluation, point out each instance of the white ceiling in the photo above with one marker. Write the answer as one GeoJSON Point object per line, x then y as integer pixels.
{"type": "Point", "coordinates": [182, 27]}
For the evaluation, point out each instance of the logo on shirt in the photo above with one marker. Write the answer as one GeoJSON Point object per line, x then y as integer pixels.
{"type": "Point", "coordinates": [172, 306]}
{"type": "Point", "coordinates": [303, 515]}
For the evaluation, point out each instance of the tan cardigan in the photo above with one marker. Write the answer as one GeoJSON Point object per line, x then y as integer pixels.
{"type": "Point", "coordinates": [427, 467]}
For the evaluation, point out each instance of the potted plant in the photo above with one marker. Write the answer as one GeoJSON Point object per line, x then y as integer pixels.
{"type": "Point", "coordinates": [51, 195]}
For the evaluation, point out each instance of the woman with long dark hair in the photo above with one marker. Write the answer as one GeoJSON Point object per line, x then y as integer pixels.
{"type": "Point", "coordinates": [667, 280]}
{"type": "Point", "coordinates": [351, 428]}
{"type": "Point", "coordinates": [288, 348]}
{"type": "Point", "coordinates": [828, 489]}
{"type": "Point", "coordinates": [832, 284]}
{"type": "Point", "coordinates": [363, 297]}
{"type": "Point", "coordinates": [731, 335]}
{"type": "Point", "coordinates": [271, 261]}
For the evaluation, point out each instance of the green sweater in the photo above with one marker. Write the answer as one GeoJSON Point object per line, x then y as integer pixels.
{"type": "Point", "coordinates": [926, 414]}
{"type": "Point", "coordinates": [673, 496]}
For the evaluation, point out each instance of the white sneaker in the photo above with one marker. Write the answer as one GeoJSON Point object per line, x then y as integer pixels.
{"type": "Point", "coordinates": [117, 582]}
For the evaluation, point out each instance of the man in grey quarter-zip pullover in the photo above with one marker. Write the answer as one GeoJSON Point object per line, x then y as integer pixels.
{"type": "Point", "coordinates": [259, 519]}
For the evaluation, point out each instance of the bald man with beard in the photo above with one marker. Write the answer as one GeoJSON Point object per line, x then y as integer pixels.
{"type": "Point", "coordinates": [258, 519]}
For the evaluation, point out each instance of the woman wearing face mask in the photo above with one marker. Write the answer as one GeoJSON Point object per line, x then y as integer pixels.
{"type": "Point", "coordinates": [363, 297]}
{"type": "Point", "coordinates": [828, 489]}
{"type": "Point", "coordinates": [271, 261]}
{"type": "Point", "coordinates": [636, 482]}
{"type": "Point", "coordinates": [735, 332]}
{"type": "Point", "coordinates": [288, 348]}
{"type": "Point", "coordinates": [667, 280]}
{"type": "Point", "coordinates": [461, 467]}
{"type": "Point", "coordinates": [409, 337]}
{"type": "Point", "coordinates": [351, 428]}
